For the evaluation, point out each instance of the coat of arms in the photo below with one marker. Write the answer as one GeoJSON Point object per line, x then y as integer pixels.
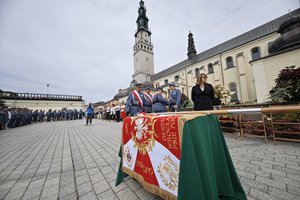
{"type": "Point", "coordinates": [143, 133]}
{"type": "Point", "coordinates": [168, 171]}
{"type": "Point", "coordinates": [128, 156]}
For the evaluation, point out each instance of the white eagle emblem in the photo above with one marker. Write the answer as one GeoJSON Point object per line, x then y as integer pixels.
{"type": "Point", "coordinates": [141, 129]}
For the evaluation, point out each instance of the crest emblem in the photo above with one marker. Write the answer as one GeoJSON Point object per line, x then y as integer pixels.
{"type": "Point", "coordinates": [143, 133]}
{"type": "Point", "coordinates": [128, 157]}
{"type": "Point", "coordinates": [168, 172]}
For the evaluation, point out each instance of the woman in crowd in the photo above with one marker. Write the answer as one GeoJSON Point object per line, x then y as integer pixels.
{"type": "Point", "coordinates": [203, 94]}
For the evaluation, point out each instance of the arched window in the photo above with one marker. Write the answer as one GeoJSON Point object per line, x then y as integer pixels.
{"type": "Point", "coordinates": [255, 53]}
{"type": "Point", "coordinates": [210, 68]}
{"type": "Point", "coordinates": [233, 89]}
{"type": "Point", "coordinates": [176, 78]}
{"type": "Point", "coordinates": [166, 82]}
{"type": "Point", "coordinates": [229, 62]}
{"type": "Point", "coordinates": [197, 72]}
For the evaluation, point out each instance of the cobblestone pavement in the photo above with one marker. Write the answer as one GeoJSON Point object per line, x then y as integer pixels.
{"type": "Point", "coordinates": [67, 160]}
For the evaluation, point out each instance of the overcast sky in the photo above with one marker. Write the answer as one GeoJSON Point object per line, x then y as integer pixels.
{"type": "Point", "coordinates": [85, 47]}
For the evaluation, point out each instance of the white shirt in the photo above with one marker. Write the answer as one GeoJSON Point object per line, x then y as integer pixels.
{"type": "Point", "coordinates": [9, 114]}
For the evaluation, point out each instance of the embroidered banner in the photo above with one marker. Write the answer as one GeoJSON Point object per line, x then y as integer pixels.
{"type": "Point", "coordinates": [151, 152]}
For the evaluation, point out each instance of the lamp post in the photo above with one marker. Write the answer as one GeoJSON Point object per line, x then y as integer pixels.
{"type": "Point", "coordinates": [47, 89]}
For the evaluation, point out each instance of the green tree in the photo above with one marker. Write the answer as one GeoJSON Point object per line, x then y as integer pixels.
{"type": "Point", "coordinates": [287, 88]}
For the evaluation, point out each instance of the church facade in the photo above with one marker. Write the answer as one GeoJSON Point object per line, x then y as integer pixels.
{"type": "Point", "coordinates": [245, 65]}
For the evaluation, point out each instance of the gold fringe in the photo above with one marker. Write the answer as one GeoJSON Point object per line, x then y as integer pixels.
{"type": "Point", "coordinates": [150, 187]}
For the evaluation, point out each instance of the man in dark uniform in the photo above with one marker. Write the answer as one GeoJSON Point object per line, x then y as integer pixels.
{"type": "Point", "coordinates": [48, 115]}
{"type": "Point", "coordinates": [80, 114]}
{"type": "Point", "coordinates": [41, 116]}
{"type": "Point", "coordinates": [175, 98]}
{"type": "Point", "coordinates": [134, 103]}
{"type": "Point", "coordinates": [148, 101]}
{"type": "Point", "coordinates": [35, 115]}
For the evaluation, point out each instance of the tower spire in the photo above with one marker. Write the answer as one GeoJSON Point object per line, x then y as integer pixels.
{"type": "Point", "coordinates": [142, 20]}
{"type": "Point", "coordinates": [143, 48]}
{"type": "Point", "coordinates": [191, 46]}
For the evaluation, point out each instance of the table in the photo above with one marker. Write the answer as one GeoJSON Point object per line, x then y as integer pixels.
{"type": "Point", "coordinates": [179, 157]}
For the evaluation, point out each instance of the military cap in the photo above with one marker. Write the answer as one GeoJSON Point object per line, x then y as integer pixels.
{"type": "Point", "coordinates": [160, 88]}
{"type": "Point", "coordinates": [147, 88]}
{"type": "Point", "coordinates": [137, 84]}
{"type": "Point", "coordinates": [171, 84]}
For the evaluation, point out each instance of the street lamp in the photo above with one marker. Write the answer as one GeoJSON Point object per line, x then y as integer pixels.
{"type": "Point", "coordinates": [47, 89]}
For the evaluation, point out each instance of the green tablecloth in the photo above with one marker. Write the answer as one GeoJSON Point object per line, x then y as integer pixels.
{"type": "Point", "coordinates": [206, 169]}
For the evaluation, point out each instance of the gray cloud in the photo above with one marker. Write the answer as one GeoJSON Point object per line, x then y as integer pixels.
{"type": "Point", "coordinates": [85, 47]}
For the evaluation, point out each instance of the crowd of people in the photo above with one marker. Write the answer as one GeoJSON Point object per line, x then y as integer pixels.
{"type": "Point", "coordinates": [137, 102]}
{"type": "Point", "coordinates": [140, 101]}
{"type": "Point", "coordinates": [15, 117]}
{"type": "Point", "coordinates": [112, 112]}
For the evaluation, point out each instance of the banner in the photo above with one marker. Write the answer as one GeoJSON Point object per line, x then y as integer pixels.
{"type": "Point", "coordinates": [151, 152]}
{"type": "Point", "coordinates": [179, 157]}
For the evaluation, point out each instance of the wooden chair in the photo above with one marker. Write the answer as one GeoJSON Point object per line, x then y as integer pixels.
{"type": "Point", "coordinates": [229, 123]}
{"type": "Point", "coordinates": [285, 130]}
{"type": "Point", "coordinates": [254, 125]}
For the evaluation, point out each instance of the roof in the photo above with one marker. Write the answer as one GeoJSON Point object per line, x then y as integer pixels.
{"type": "Point", "coordinates": [242, 39]}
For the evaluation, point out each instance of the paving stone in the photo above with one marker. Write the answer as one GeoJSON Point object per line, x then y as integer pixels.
{"type": "Point", "coordinates": [111, 176]}
{"type": "Point", "coordinates": [84, 188]}
{"type": "Point", "coordinates": [286, 180]}
{"type": "Point", "coordinates": [127, 194]}
{"type": "Point", "coordinates": [253, 184]}
{"type": "Point", "coordinates": [118, 188]}
{"type": "Point", "coordinates": [71, 196]}
{"type": "Point", "coordinates": [294, 190]}
{"type": "Point", "coordinates": [50, 191]}
{"type": "Point", "coordinates": [107, 195]}
{"type": "Point", "coordinates": [3, 193]}
{"type": "Point", "coordinates": [106, 170]}
{"type": "Point", "coordinates": [143, 194]}
{"type": "Point", "coordinates": [48, 151]}
{"type": "Point", "coordinates": [82, 179]}
{"type": "Point", "coordinates": [32, 193]}
{"type": "Point", "coordinates": [261, 195]}
{"type": "Point", "coordinates": [101, 186]}
{"type": "Point", "coordinates": [97, 177]}
{"type": "Point", "coordinates": [133, 184]}
{"type": "Point", "coordinates": [66, 190]}
{"type": "Point", "coordinates": [15, 194]}
{"type": "Point", "coordinates": [21, 184]}
{"type": "Point", "coordinates": [261, 173]}
{"type": "Point", "coordinates": [6, 185]}
{"type": "Point", "coordinates": [282, 194]}
{"type": "Point", "coordinates": [88, 196]}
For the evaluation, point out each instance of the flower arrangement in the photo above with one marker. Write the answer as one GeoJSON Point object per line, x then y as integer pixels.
{"type": "Point", "coordinates": [222, 93]}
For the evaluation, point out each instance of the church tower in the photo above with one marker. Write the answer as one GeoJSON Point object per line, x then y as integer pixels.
{"type": "Point", "coordinates": [143, 48]}
{"type": "Point", "coordinates": [191, 46]}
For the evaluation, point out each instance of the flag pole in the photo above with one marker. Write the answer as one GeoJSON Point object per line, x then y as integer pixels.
{"type": "Point", "coordinates": [275, 109]}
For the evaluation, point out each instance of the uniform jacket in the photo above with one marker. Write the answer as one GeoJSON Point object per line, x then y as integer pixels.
{"type": "Point", "coordinates": [132, 104]}
{"type": "Point", "coordinates": [148, 104]}
{"type": "Point", "coordinates": [175, 98]}
{"type": "Point", "coordinates": [159, 103]}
